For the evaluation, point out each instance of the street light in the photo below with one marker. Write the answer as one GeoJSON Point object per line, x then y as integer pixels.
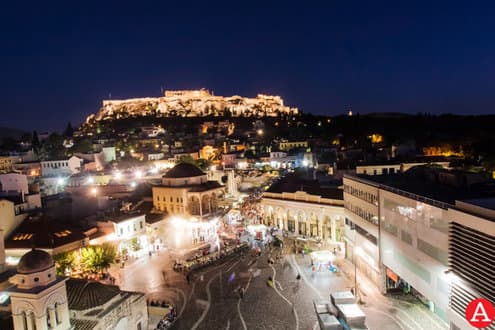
{"type": "Point", "coordinates": [357, 251]}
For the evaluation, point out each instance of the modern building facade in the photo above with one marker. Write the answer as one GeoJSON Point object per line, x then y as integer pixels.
{"type": "Point", "coordinates": [397, 233]}
{"type": "Point", "coordinates": [471, 245]}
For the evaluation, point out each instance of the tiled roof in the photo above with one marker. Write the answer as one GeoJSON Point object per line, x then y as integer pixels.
{"type": "Point", "coordinates": [43, 233]}
{"type": "Point", "coordinates": [205, 186]}
{"type": "Point", "coordinates": [84, 294]}
{"type": "Point", "coordinates": [183, 170]}
{"type": "Point", "coordinates": [83, 324]}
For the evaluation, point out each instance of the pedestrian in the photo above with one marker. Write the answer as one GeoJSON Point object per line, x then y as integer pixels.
{"type": "Point", "coordinates": [298, 277]}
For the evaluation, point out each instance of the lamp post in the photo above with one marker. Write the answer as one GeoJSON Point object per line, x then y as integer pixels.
{"type": "Point", "coordinates": [356, 289]}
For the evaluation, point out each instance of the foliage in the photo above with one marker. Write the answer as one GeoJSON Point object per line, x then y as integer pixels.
{"type": "Point", "coordinates": [203, 164]}
{"type": "Point", "coordinates": [52, 148]}
{"type": "Point", "coordinates": [69, 131]}
{"type": "Point", "coordinates": [84, 145]}
{"type": "Point", "coordinates": [98, 258]}
{"type": "Point", "coordinates": [135, 244]}
{"type": "Point", "coordinates": [64, 261]}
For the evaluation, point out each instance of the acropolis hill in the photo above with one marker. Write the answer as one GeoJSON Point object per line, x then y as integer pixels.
{"type": "Point", "coordinates": [193, 103]}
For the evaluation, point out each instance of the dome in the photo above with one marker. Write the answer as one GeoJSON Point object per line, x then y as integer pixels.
{"type": "Point", "coordinates": [35, 261]}
{"type": "Point", "coordinates": [183, 170]}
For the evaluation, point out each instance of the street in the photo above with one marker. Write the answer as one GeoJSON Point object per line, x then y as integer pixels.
{"type": "Point", "coordinates": [212, 298]}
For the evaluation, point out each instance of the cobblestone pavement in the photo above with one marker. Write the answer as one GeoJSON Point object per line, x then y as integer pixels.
{"type": "Point", "coordinates": [214, 302]}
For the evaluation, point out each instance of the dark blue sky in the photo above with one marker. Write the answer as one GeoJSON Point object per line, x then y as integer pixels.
{"type": "Point", "coordinates": [58, 61]}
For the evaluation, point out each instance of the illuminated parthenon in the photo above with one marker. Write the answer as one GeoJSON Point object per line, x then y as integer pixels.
{"type": "Point", "coordinates": [194, 103]}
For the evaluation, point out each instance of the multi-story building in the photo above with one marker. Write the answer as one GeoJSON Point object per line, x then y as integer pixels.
{"type": "Point", "coordinates": [286, 145]}
{"type": "Point", "coordinates": [125, 228]}
{"type": "Point", "coordinates": [397, 228]}
{"type": "Point", "coordinates": [192, 201]}
{"type": "Point", "coordinates": [362, 230]}
{"type": "Point", "coordinates": [14, 182]}
{"type": "Point", "coordinates": [54, 174]}
{"type": "Point", "coordinates": [471, 244]}
{"type": "Point", "coordinates": [305, 208]}
{"type": "Point", "coordinates": [7, 163]}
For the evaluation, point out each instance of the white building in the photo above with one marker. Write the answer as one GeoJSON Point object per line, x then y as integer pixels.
{"type": "Point", "coordinates": [397, 229]}
{"type": "Point", "coordinates": [14, 182]}
{"type": "Point", "coordinates": [304, 208]}
{"type": "Point", "coordinates": [61, 168]}
{"type": "Point", "coordinates": [39, 297]}
{"type": "Point", "coordinates": [43, 301]}
{"type": "Point", "coordinates": [123, 228]}
{"type": "Point", "coordinates": [471, 274]}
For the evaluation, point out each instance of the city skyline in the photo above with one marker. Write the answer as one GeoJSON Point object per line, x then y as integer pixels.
{"type": "Point", "coordinates": [59, 63]}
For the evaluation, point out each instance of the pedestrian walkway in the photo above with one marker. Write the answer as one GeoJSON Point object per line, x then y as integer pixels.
{"type": "Point", "coordinates": [409, 313]}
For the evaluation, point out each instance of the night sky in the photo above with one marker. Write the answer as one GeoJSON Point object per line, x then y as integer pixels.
{"type": "Point", "coordinates": [58, 61]}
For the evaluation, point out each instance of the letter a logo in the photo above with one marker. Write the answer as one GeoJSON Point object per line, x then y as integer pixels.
{"type": "Point", "coordinates": [480, 313]}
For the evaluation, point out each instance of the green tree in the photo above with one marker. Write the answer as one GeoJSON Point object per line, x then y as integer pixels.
{"type": "Point", "coordinates": [203, 164]}
{"type": "Point", "coordinates": [98, 258]}
{"type": "Point", "coordinates": [64, 261]}
{"type": "Point", "coordinates": [135, 244]}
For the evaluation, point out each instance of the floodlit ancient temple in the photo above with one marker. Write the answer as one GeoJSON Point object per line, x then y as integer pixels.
{"type": "Point", "coordinates": [194, 103]}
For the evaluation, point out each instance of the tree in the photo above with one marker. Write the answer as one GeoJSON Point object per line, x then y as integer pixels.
{"type": "Point", "coordinates": [35, 142]}
{"type": "Point", "coordinates": [135, 244]}
{"type": "Point", "coordinates": [64, 261]}
{"type": "Point", "coordinates": [98, 258]}
{"type": "Point", "coordinates": [203, 164]}
{"type": "Point", "coordinates": [69, 131]}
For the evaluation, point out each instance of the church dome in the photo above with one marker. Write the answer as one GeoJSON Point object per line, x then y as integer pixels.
{"type": "Point", "coordinates": [35, 261]}
{"type": "Point", "coordinates": [183, 170]}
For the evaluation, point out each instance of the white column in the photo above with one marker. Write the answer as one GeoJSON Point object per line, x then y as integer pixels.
{"type": "Point", "coordinates": [319, 222]}
{"type": "Point", "coordinates": [63, 315]}
{"type": "Point", "coordinates": [334, 229]}
{"type": "Point", "coordinates": [52, 316]}
{"type": "Point", "coordinates": [41, 322]}
{"type": "Point", "coordinates": [30, 321]}
{"type": "Point", "coordinates": [19, 322]}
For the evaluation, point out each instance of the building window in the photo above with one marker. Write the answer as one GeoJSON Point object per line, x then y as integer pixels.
{"type": "Point", "coordinates": [141, 224]}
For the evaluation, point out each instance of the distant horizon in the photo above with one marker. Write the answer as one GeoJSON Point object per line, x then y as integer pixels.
{"type": "Point", "coordinates": [75, 125]}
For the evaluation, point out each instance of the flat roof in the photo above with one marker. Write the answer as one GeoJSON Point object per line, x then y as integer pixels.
{"type": "Point", "coordinates": [487, 203]}
{"type": "Point", "coordinates": [417, 181]}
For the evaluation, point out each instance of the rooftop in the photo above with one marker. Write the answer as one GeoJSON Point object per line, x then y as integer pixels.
{"type": "Point", "coordinates": [124, 216]}
{"type": "Point", "coordinates": [183, 170]}
{"type": "Point", "coordinates": [292, 183]}
{"type": "Point", "coordinates": [423, 182]}
{"type": "Point", "coordinates": [85, 294]}
{"type": "Point", "coordinates": [487, 203]}
{"type": "Point", "coordinates": [41, 232]}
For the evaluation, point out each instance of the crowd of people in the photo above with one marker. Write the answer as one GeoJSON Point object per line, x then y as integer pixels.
{"type": "Point", "coordinates": [169, 318]}
{"type": "Point", "coordinates": [209, 259]}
